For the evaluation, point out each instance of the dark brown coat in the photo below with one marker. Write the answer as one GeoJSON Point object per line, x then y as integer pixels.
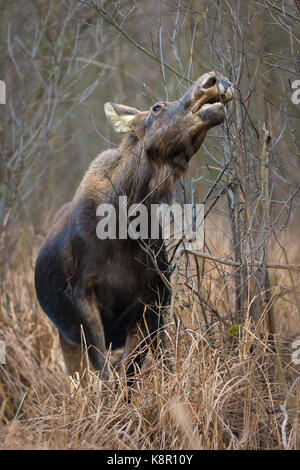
{"type": "Point", "coordinates": [111, 288]}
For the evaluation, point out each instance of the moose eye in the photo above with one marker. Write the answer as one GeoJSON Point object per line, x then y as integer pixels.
{"type": "Point", "coordinates": [157, 108]}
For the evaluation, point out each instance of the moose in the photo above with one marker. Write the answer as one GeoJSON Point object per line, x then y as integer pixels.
{"type": "Point", "coordinates": [113, 291]}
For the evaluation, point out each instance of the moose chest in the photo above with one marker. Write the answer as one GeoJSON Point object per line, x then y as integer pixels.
{"type": "Point", "coordinates": [125, 275]}
{"type": "Point", "coordinates": [126, 285]}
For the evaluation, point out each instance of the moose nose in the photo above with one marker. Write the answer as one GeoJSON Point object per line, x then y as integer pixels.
{"type": "Point", "coordinates": [209, 82]}
{"type": "Point", "coordinates": [212, 82]}
{"type": "Point", "coordinates": [209, 86]}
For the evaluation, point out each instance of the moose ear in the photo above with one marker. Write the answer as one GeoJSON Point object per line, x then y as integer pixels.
{"type": "Point", "coordinates": [120, 116]}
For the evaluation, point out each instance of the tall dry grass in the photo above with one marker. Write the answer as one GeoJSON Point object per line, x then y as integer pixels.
{"type": "Point", "coordinates": [226, 390]}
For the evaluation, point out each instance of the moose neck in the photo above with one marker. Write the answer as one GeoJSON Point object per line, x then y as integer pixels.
{"type": "Point", "coordinates": [142, 179]}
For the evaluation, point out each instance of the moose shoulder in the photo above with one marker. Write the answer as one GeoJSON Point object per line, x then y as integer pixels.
{"type": "Point", "coordinates": [110, 287]}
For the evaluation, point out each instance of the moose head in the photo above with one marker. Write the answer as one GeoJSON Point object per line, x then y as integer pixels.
{"type": "Point", "coordinates": [174, 130]}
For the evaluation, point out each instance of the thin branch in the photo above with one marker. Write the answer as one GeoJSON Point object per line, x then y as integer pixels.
{"type": "Point", "coordinates": [235, 264]}
{"type": "Point", "coordinates": [110, 19]}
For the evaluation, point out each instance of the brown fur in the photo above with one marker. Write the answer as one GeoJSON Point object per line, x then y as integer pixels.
{"type": "Point", "coordinates": [110, 289]}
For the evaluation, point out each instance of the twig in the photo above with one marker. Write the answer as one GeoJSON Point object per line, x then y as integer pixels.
{"type": "Point", "coordinates": [110, 19]}
{"type": "Point", "coordinates": [235, 264]}
{"type": "Point", "coordinates": [285, 414]}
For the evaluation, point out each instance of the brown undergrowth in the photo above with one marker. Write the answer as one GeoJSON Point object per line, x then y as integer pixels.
{"type": "Point", "coordinates": [227, 388]}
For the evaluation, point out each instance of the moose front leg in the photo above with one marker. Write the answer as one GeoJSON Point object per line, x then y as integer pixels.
{"type": "Point", "coordinates": [89, 332]}
{"type": "Point", "coordinates": [73, 357]}
{"type": "Point", "coordinates": [93, 332]}
{"type": "Point", "coordinates": [143, 335]}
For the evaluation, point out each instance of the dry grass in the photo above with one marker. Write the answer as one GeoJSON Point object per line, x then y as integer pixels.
{"type": "Point", "coordinates": [224, 392]}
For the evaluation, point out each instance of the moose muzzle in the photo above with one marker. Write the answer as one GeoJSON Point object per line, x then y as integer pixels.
{"type": "Point", "coordinates": [209, 94]}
